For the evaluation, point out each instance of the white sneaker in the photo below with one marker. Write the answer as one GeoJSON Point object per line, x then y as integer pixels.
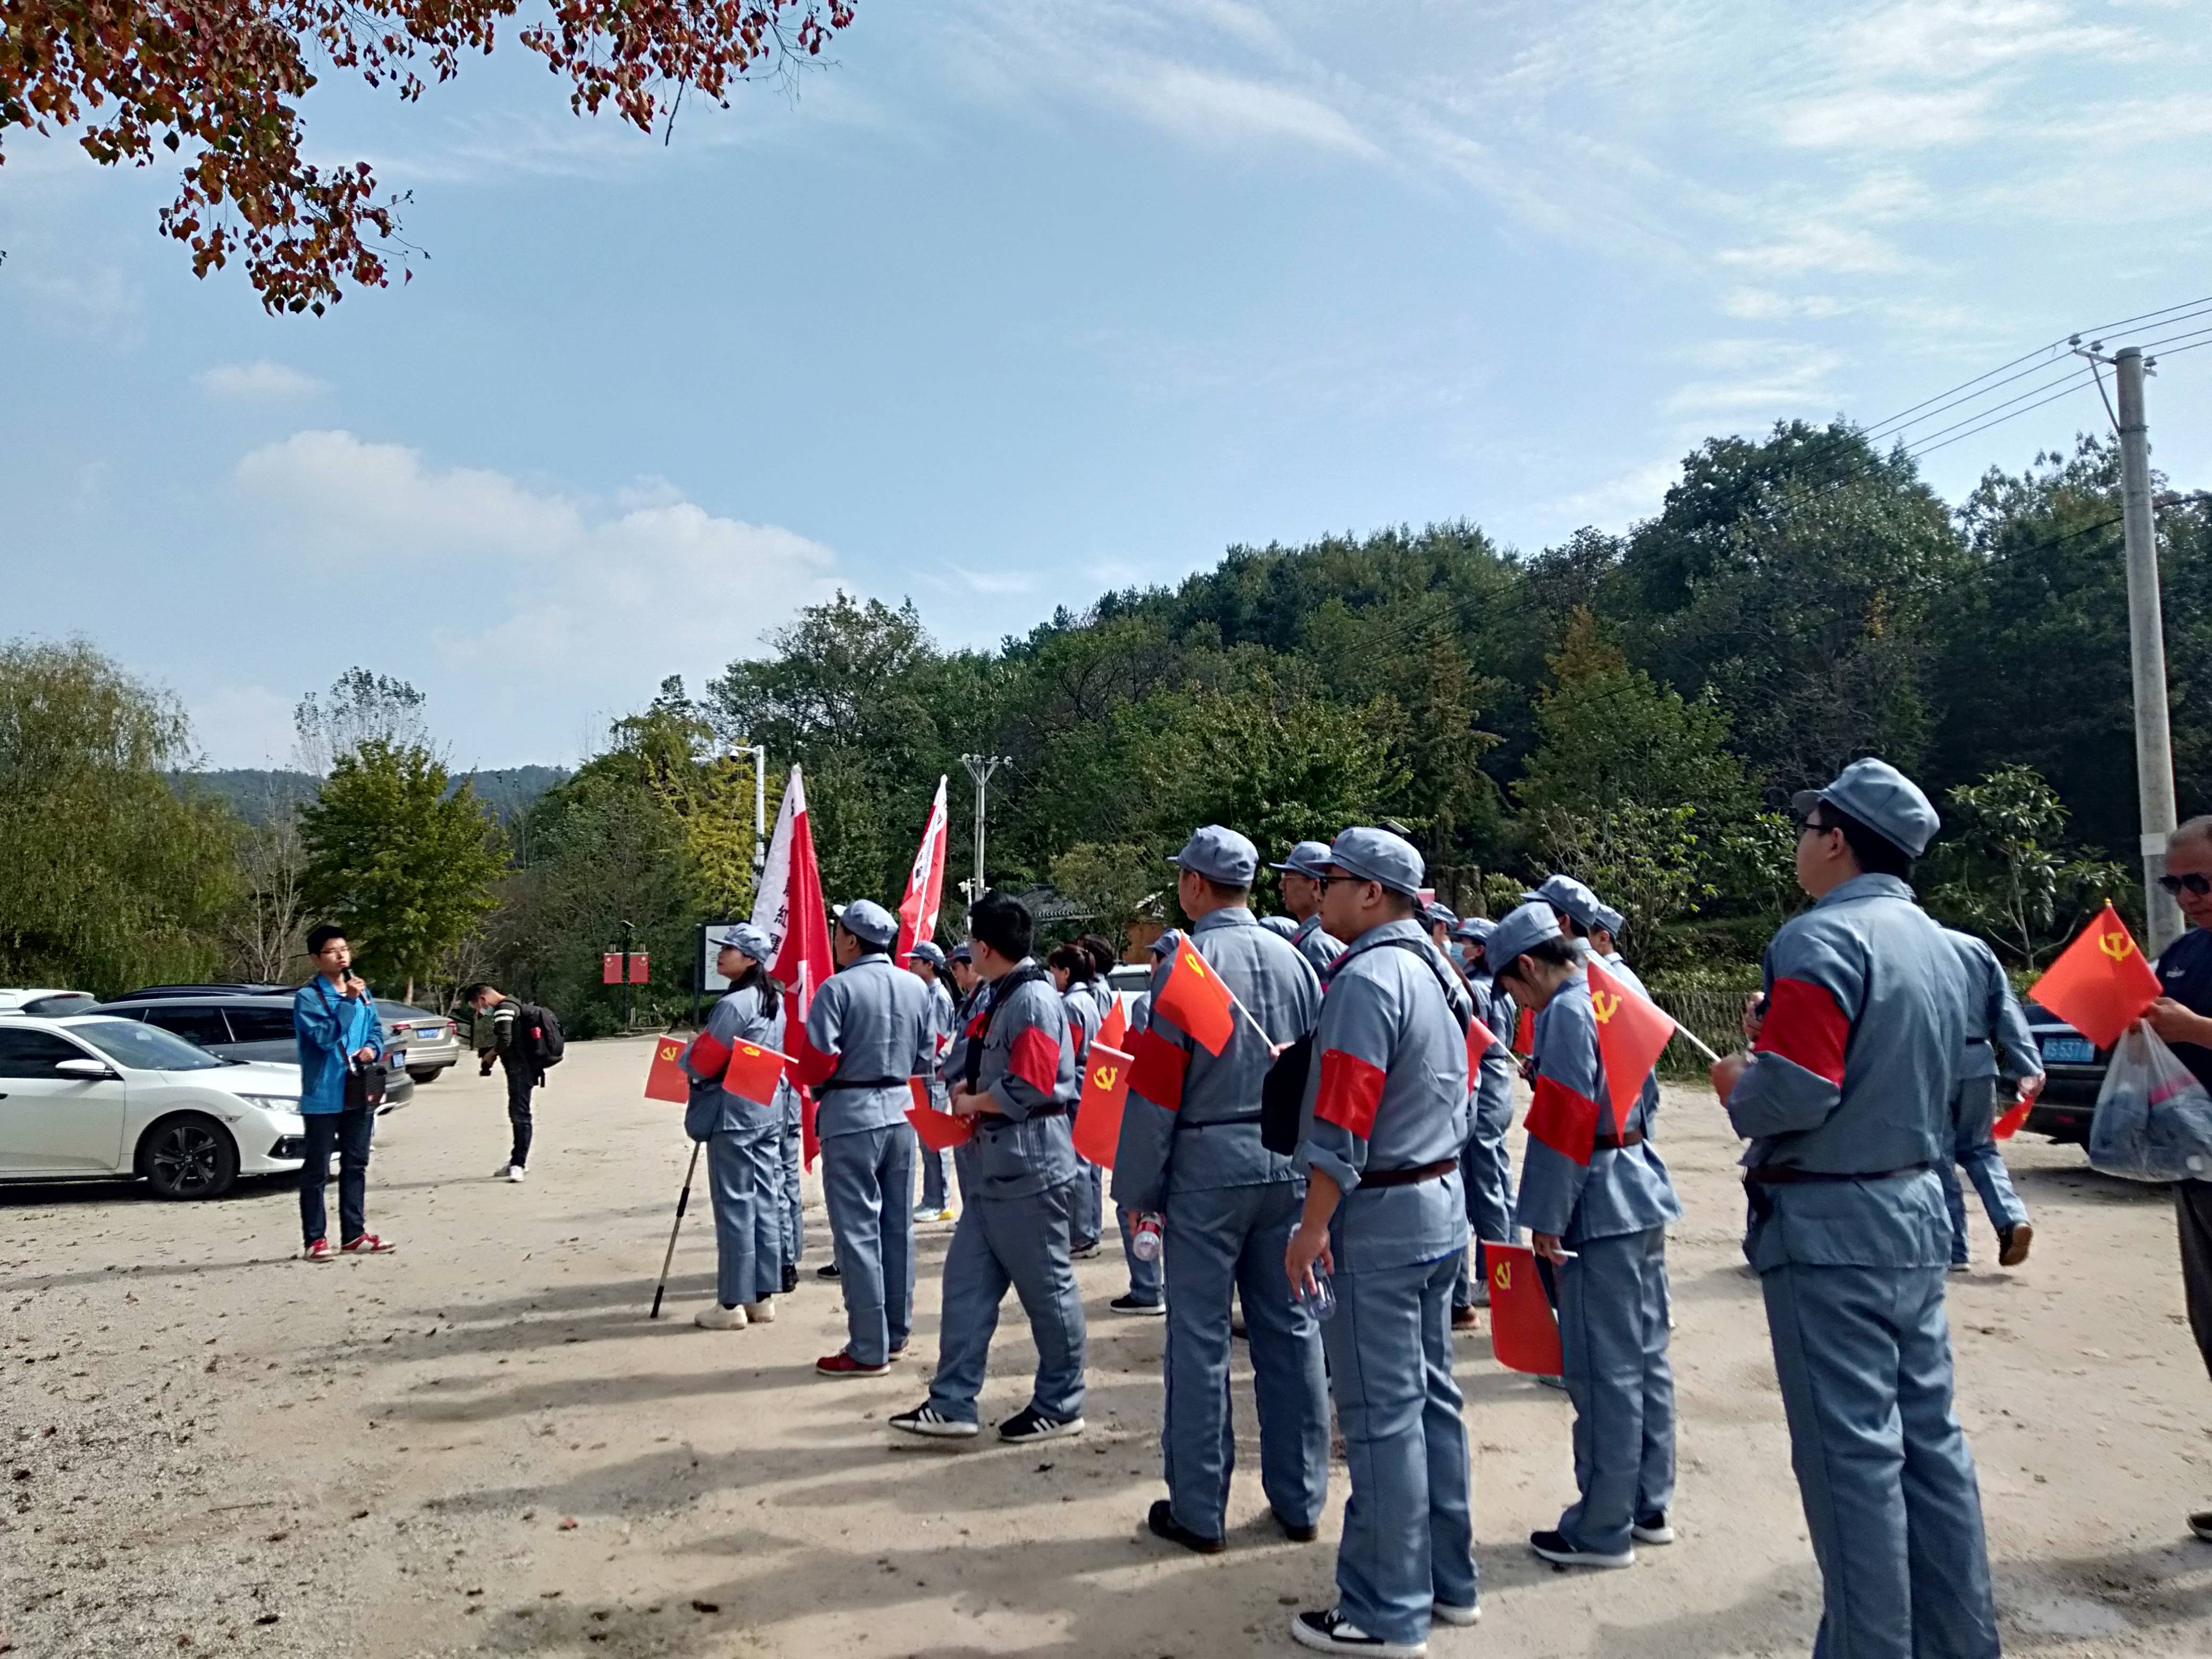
{"type": "Point", "coordinates": [514, 1173]}
{"type": "Point", "coordinates": [762, 1312]}
{"type": "Point", "coordinates": [503, 1172]}
{"type": "Point", "coordinates": [1445, 1613]}
{"type": "Point", "coordinates": [716, 1318]}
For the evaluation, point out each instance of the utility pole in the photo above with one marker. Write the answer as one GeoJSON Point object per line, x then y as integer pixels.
{"type": "Point", "coordinates": [627, 930]}
{"type": "Point", "coordinates": [980, 768]}
{"type": "Point", "coordinates": [2146, 650]}
{"type": "Point", "coordinates": [759, 752]}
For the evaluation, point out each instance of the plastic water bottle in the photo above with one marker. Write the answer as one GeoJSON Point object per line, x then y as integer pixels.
{"type": "Point", "coordinates": [1321, 1297]}
{"type": "Point", "coordinates": [1145, 1238]}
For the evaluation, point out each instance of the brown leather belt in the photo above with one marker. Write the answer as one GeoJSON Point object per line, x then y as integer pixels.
{"type": "Point", "coordinates": [1407, 1177]}
{"type": "Point", "coordinates": [1788, 1174]}
{"type": "Point", "coordinates": [1612, 1144]}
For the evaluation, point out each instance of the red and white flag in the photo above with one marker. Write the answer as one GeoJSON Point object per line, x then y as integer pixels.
{"type": "Point", "coordinates": [925, 882]}
{"type": "Point", "coordinates": [790, 910]}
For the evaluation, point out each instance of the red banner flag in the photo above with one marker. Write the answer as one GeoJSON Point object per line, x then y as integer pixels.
{"type": "Point", "coordinates": [754, 1071]}
{"type": "Point", "coordinates": [939, 1131]}
{"type": "Point", "coordinates": [1480, 1037]}
{"type": "Point", "coordinates": [1115, 1031]}
{"type": "Point", "coordinates": [1524, 1333]}
{"type": "Point", "coordinates": [925, 882]}
{"type": "Point", "coordinates": [1197, 1000]}
{"type": "Point", "coordinates": [790, 910]}
{"type": "Point", "coordinates": [1524, 1033]}
{"type": "Point", "coordinates": [1631, 1032]}
{"type": "Point", "coordinates": [667, 1080]}
{"type": "Point", "coordinates": [1098, 1114]}
{"type": "Point", "coordinates": [2100, 983]}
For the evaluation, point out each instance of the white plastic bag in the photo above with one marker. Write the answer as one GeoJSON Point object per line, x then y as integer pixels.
{"type": "Point", "coordinates": [2154, 1118]}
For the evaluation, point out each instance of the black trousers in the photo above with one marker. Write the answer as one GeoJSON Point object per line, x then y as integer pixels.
{"type": "Point", "coordinates": [349, 1133]}
{"type": "Point", "coordinates": [520, 1082]}
{"type": "Point", "coordinates": [2192, 1204]}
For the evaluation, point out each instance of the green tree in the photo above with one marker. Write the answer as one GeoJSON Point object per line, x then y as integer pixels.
{"type": "Point", "coordinates": [110, 877]}
{"type": "Point", "coordinates": [405, 864]}
{"type": "Point", "coordinates": [1108, 884]}
{"type": "Point", "coordinates": [2007, 869]}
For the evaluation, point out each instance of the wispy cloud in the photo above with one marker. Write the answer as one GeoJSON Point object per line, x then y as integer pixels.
{"type": "Point", "coordinates": [260, 380]}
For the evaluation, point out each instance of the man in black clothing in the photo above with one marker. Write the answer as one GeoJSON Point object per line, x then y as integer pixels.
{"type": "Point", "coordinates": [499, 1036]}
{"type": "Point", "coordinates": [2183, 1017]}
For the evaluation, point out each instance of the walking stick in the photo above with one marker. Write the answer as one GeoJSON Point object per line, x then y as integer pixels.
{"type": "Point", "coordinates": [683, 1199]}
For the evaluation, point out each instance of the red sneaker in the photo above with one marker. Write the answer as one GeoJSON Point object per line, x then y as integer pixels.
{"type": "Point", "coordinates": [318, 1250]}
{"type": "Point", "coordinates": [369, 1244]}
{"type": "Point", "coordinates": [843, 1365]}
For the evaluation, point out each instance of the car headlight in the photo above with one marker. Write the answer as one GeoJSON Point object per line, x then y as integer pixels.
{"type": "Point", "coordinates": [284, 1105]}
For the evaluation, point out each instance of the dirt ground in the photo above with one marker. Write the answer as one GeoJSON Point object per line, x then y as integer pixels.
{"type": "Point", "coordinates": [480, 1445]}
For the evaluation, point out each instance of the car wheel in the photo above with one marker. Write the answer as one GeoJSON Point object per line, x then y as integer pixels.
{"type": "Point", "coordinates": [427, 1074]}
{"type": "Point", "coordinates": [188, 1156]}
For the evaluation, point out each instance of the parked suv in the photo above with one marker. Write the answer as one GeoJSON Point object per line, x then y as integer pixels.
{"type": "Point", "coordinates": [246, 1023]}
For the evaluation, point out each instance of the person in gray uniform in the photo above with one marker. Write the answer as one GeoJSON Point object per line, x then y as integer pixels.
{"type": "Point", "coordinates": [927, 964]}
{"type": "Point", "coordinates": [743, 1137]}
{"type": "Point", "coordinates": [1998, 1043]}
{"type": "Point", "coordinates": [1146, 1298]}
{"type": "Point", "coordinates": [1597, 1201]}
{"type": "Point", "coordinates": [1020, 1177]}
{"type": "Point", "coordinates": [1584, 916]}
{"type": "Point", "coordinates": [1074, 975]}
{"type": "Point", "coordinates": [1486, 1164]}
{"type": "Point", "coordinates": [1300, 877]}
{"type": "Point", "coordinates": [1386, 1113]}
{"type": "Point", "coordinates": [1846, 1100]}
{"type": "Point", "coordinates": [1190, 1151]}
{"type": "Point", "coordinates": [868, 1032]}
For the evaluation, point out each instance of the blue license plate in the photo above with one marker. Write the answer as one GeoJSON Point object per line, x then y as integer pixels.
{"type": "Point", "coordinates": [2069, 1051]}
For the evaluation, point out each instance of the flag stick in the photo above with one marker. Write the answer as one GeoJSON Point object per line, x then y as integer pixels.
{"type": "Point", "coordinates": [1691, 1037]}
{"type": "Point", "coordinates": [683, 1199]}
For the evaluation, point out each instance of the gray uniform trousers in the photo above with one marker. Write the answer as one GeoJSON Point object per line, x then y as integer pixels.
{"type": "Point", "coordinates": [1408, 1525]}
{"type": "Point", "coordinates": [1974, 1149]}
{"type": "Point", "coordinates": [1220, 1242]}
{"type": "Point", "coordinates": [794, 1193]}
{"type": "Point", "coordinates": [1023, 1243]}
{"type": "Point", "coordinates": [937, 1179]}
{"type": "Point", "coordinates": [1144, 1276]}
{"type": "Point", "coordinates": [2192, 1209]}
{"type": "Point", "coordinates": [1090, 1205]}
{"type": "Point", "coordinates": [1487, 1169]}
{"type": "Point", "coordinates": [744, 1176]}
{"type": "Point", "coordinates": [1613, 1329]}
{"type": "Point", "coordinates": [1863, 1355]}
{"type": "Point", "coordinates": [867, 1183]}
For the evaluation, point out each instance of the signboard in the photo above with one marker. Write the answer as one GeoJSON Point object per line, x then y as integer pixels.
{"type": "Point", "coordinates": [640, 968]}
{"type": "Point", "coordinates": [611, 968]}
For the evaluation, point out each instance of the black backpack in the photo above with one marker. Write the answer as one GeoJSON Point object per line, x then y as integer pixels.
{"type": "Point", "coordinates": [538, 1033]}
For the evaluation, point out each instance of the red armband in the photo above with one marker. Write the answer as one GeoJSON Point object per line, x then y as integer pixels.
{"type": "Point", "coordinates": [1159, 1073]}
{"type": "Point", "coordinates": [709, 1055]}
{"type": "Point", "coordinates": [1806, 1025]}
{"type": "Point", "coordinates": [1351, 1089]}
{"type": "Point", "coordinates": [1034, 1058]}
{"type": "Point", "coordinates": [1564, 1120]}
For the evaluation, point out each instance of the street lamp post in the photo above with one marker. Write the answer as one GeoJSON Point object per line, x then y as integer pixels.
{"type": "Point", "coordinates": [980, 768]}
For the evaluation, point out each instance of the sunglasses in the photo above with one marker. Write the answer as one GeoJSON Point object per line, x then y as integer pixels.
{"type": "Point", "coordinates": [2192, 884]}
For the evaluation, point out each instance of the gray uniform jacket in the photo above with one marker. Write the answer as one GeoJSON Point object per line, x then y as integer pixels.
{"type": "Point", "coordinates": [1852, 1075]}
{"type": "Point", "coordinates": [1388, 1091]}
{"type": "Point", "coordinates": [1027, 1067]}
{"type": "Point", "coordinates": [1493, 1080]}
{"type": "Point", "coordinates": [1997, 1029]}
{"type": "Point", "coordinates": [944, 1022]}
{"type": "Point", "coordinates": [1192, 1120]}
{"type": "Point", "coordinates": [740, 1017]}
{"type": "Point", "coordinates": [1315, 944]}
{"type": "Point", "coordinates": [869, 1031]}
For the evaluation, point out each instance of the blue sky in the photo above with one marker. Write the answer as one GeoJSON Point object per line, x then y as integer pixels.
{"type": "Point", "coordinates": [1022, 300]}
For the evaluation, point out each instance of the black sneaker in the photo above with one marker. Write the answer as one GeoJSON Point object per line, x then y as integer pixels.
{"type": "Point", "coordinates": [827, 1270]}
{"type": "Point", "coordinates": [1466, 1318]}
{"type": "Point", "coordinates": [1296, 1534]}
{"type": "Point", "coordinates": [1653, 1529]}
{"type": "Point", "coordinates": [1332, 1632]}
{"type": "Point", "coordinates": [1164, 1524]}
{"type": "Point", "coordinates": [1136, 1306]}
{"type": "Point", "coordinates": [790, 1278]}
{"type": "Point", "coordinates": [1082, 1249]}
{"type": "Point", "coordinates": [926, 1420]}
{"type": "Point", "coordinates": [1030, 1424]}
{"type": "Point", "coordinates": [1553, 1547]}
{"type": "Point", "coordinates": [2201, 1524]}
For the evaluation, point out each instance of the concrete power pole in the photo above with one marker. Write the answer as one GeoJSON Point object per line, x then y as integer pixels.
{"type": "Point", "coordinates": [759, 752]}
{"type": "Point", "coordinates": [2146, 651]}
{"type": "Point", "coordinates": [980, 768]}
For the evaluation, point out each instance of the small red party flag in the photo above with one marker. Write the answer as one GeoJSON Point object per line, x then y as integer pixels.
{"type": "Point", "coordinates": [2100, 983]}
{"type": "Point", "coordinates": [754, 1071]}
{"type": "Point", "coordinates": [1524, 1033]}
{"type": "Point", "coordinates": [1631, 1032]}
{"type": "Point", "coordinates": [1195, 997]}
{"type": "Point", "coordinates": [1115, 1030]}
{"type": "Point", "coordinates": [1098, 1115]}
{"type": "Point", "coordinates": [667, 1080]}
{"type": "Point", "coordinates": [1524, 1333]}
{"type": "Point", "coordinates": [939, 1131]}
{"type": "Point", "coordinates": [2008, 1125]}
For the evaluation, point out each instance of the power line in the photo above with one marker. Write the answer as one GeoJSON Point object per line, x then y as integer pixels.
{"type": "Point", "coordinates": [2082, 384]}
{"type": "Point", "coordinates": [2080, 372]}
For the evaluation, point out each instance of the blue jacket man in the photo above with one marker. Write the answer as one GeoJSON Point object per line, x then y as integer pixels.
{"type": "Point", "coordinates": [1486, 1165]}
{"type": "Point", "coordinates": [1300, 877]}
{"type": "Point", "coordinates": [1593, 1184]}
{"type": "Point", "coordinates": [1386, 1113]}
{"type": "Point", "coordinates": [1998, 1043]}
{"type": "Point", "coordinates": [1846, 1100]}
{"type": "Point", "coordinates": [335, 1025]}
{"type": "Point", "coordinates": [1190, 1151]}
{"type": "Point", "coordinates": [868, 1031]}
{"type": "Point", "coordinates": [1019, 1177]}
{"type": "Point", "coordinates": [744, 1136]}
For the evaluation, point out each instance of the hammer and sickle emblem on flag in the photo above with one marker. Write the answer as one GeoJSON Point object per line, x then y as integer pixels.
{"type": "Point", "coordinates": [1197, 966]}
{"type": "Point", "coordinates": [670, 1050]}
{"type": "Point", "coordinates": [1105, 1075]}
{"type": "Point", "coordinates": [2117, 946]}
{"type": "Point", "coordinates": [1605, 1005]}
{"type": "Point", "coordinates": [748, 1051]}
{"type": "Point", "coordinates": [1502, 1275]}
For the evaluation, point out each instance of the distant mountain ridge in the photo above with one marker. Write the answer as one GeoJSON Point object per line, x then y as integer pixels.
{"type": "Point", "coordinates": [256, 793]}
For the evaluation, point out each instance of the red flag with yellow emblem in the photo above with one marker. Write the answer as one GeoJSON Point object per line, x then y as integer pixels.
{"type": "Point", "coordinates": [667, 1080]}
{"type": "Point", "coordinates": [754, 1071]}
{"type": "Point", "coordinates": [1197, 1001]}
{"type": "Point", "coordinates": [1115, 1030]}
{"type": "Point", "coordinates": [1098, 1114]}
{"type": "Point", "coordinates": [2100, 983]}
{"type": "Point", "coordinates": [1524, 1332]}
{"type": "Point", "coordinates": [1631, 1031]}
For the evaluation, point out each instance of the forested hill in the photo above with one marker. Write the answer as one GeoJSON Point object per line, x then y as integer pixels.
{"type": "Point", "coordinates": [256, 794]}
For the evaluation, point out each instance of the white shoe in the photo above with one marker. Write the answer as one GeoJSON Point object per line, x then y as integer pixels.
{"type": "Point", "coordinates": [762, 1312]}
{"type": "Point", "coordinates": [1445, 1613]}
{"type": "Point", "coordinates": [716, 1318]}
{"type": "Point", "coordinates": [1332, 1632]}
{"type": "Point", "coordinates": [505, 1172]}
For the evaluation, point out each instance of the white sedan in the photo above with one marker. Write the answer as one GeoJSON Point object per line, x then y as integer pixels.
{"type": "Point", "coordinates": [91, 1096]}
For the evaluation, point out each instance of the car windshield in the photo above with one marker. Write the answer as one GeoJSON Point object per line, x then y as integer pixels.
{"type": "Point", "coordinates": [143, 1048]}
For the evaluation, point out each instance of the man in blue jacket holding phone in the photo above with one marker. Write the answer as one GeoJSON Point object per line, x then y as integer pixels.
{"type": "Point", "coordinates": [335, 1023]}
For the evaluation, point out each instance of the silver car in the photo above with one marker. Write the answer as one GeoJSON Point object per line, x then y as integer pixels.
{"type": "Point", "coordinates": [430, 1040]}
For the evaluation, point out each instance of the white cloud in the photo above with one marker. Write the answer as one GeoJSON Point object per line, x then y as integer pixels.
{"type": "Point", "coordinates": [1218, 108]}
{"type": "Point", "coordinates": [547, 587]}
{"type": "Point", "coordinates": [1762, 305]}
{"type": "Point", "coordinates": [1817, 245]}
{"type": "Point", "coordinates": [1950, 39]}
{"type": "Point", "coordinates": [1870, 118]}
{"type": "Point", "coordinates": [260, 379]}
{"type": "Point", "coordinates": [1756, 377]}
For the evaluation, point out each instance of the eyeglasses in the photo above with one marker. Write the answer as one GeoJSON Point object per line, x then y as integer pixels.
{"type": "Point", "coordinates": [2193, 884]}
{"type": "Point", "coordinates": [1810, 826]}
